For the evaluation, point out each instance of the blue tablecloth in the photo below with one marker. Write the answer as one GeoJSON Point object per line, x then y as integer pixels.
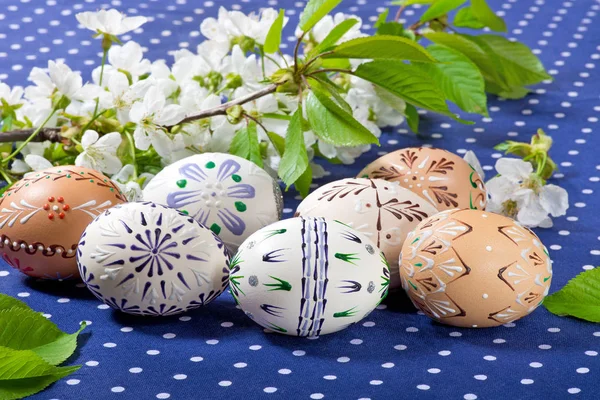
{"type": "Point", "coordinates": [217, 352]}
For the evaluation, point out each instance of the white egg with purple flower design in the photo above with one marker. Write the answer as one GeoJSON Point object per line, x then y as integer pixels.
{"type": "Point", "coordinates": [147, 259]}
{"type": "Point", "coordinates": [230, 195]}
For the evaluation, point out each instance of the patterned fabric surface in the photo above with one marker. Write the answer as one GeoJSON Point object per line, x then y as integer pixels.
{"type": "Point", "coordinates": [217, 352]}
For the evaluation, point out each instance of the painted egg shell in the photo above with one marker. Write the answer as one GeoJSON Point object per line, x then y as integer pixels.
{"type": "Point", "coordinates": [43, 215]}
{"type": "Point", "coordinates": [230, 195]}
{"type": "Point", "coordinates": [147, 259]}
{"type": "Point", "coordinates": [472, 268]}
{"type": "Point", "coordinates": [383, 211]}
{"type": "Point", "coordinates": [308, 276]}
{"type": "Point", "coordinates": [443, 178]}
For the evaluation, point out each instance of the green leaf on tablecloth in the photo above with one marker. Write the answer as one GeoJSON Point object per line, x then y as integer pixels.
{"type": "Point", "coordinates": [459, 78]}
{"type": "Point", "coordinates": [487, 16]}
{"type": "Point", "coordinates": [273, 39]}
{"type": "Point", "coordinates": [440, 8]}
{"type": "Point", "coordinates": [295, 158]}
{"type": "Point", "coordinates": [25, 329]}
{"type": "Point", "coordinates": [464, 18]}
{"type": "Point", "coordinates": [23, 373]}
{"type": "Point", "coordinates": [245, 144]}
{"type": "Point", "coordinates": [579, 298]}
{"type": "Point", "coordinates": [7, 302]}
{"type": "Point", "coordinates": [381, 47]}
{"type": "Point", "coordinates": [314, 11]}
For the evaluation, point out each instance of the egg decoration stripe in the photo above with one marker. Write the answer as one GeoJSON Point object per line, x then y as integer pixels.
{"type": "Point", "coordinates": [308, 276]}
{"type": "Point", "coordinates": [230, 195]}
{"type": "Point", "coordinates": [147, 259]}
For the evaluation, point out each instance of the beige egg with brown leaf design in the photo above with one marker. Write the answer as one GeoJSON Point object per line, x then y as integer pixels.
{"type": "Point", "coordinates": [439, 176]}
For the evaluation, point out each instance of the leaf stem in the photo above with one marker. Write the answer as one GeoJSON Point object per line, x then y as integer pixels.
{"type": "Point", "coordinates": [296, 49]}
{"type": "Point", "coordinates": [315, 58]}
{"type": "Point", "coordinates": [30, 138]}
{"type": "Point", "coordinates": [94, 115]}
{"type": "Point", "coordinates": [345, 71]}
{"type": "Point", "coordinates": [132, 152]}
{"type": "Point", "coordinates": [222, 109]}
{"type": "Point", "coordinates": [399, 13]}
{"type": "Point", "coordinates": [256, 120]}
{"type": "Point", "coordinates": [6, 177]}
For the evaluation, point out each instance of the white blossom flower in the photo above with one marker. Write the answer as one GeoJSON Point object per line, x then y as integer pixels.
{"type": "Point", "coordinates": [130, 187]}
{"type": "Point", "coordinates": [521, 194]}
{"type": "Point", "coordinates": [242, 74]}
{"type": "Point", "coordinates": [11, 96]}
{"type": "Point", "coordinates": [100, 153]}
{"type": "Point", "coordinates": [130, 58]}
{"type": "Point", "coordinates": [31, 162]}
{"type": "Point", "coordinates": [110, 22]}
{"type": "Point", "coordinates": [149, 115]}
{"type": "Point", "coordinates": [473, 161]}
{"type": "Point", "coordinates": [60, 78]}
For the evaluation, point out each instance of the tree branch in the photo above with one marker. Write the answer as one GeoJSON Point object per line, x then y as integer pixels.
{"type": "Point", "coordinates": [399, 13]}
{"type": "Point", "coordinates": [222, 109]}
{"type": "Point", "coordinates": [19, 135]}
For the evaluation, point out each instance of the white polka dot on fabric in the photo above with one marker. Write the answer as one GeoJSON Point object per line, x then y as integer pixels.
{"type": "Point", "coordinates": [434, 370]}
{"type": "Point", "coordinates": [180, 377]}
{"type": "Point", "coordinates": [109, 345]}
{"type": "Point", "coordinates": [73, 382]}
{"type": "Point", "coordinates": [270, 389]}
{"type": "Point", "coordinates": [536, 365]}
{"type": "Point", "coordinates": [256, 347]}
{"type": "Point", "coordinates": [526, 381]}
{"type": "Point", "coordinates": [444, 353]}
{"type": "Point", "coordinates": [153, 352]}
{"type": "Point", "coordinates": [423, 387]}
{"type": "Point", "coordinates": [489, 358]}
{"type": "Point", "coordinates": [169, 335]}
{"type": "Point", "coordinates": [480, 377]}
{"type": "Point", "coordinates": [163, 396]}
{"type": "Point", "coordinates": [573, 390]}
{"type": "Point", "coordinates": [317, 396]}
{"type": "Point", "coordinates": [343, 359]}
{"type": "Point", "coordinates": [135, 370]}
{"type": "Point", "coordinates": [388, 365]}
{"type": "Point", "coordinates": [582, 370]}
{"type": "Point", "coordinates": [117, 389]}
{"type": "Point", "coordinates": [356, 341]}
{"type": "Point", "coordinates": [470, 396]}
{"type": "Point", "coordinates": [92, 363]}
{"type": "Point", "coordinates": [298, 353]}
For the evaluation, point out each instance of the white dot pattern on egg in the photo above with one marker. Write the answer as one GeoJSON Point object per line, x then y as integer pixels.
{"type": "Point", "coordinates": [383, 211]}
{"type": "Point", "coordinates": [308, 276]}
{"type": "Point", "coordinates": [228, 194]}
{"type": "Point", "coordinates": [147, 259]}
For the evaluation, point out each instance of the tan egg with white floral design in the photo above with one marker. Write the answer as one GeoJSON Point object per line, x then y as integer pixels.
{"type": "Point", "coordinates": [383, 211]}
{"type": "Point", "coordinates": [473, 268]}
{"type": "Point", "coordinates": [442, 178]}
{"type": "Point", "coordinates": [44, 214]}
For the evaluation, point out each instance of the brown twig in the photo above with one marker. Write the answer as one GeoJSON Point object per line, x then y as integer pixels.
{"type": "Point", "coordinates": [246, 115]}
{"type": "Point", "coordinates": [19, 135]}
{"type": "Point", "coordinates": [222, 109]}
{"type": "Point", "coordinates": [399, 13]}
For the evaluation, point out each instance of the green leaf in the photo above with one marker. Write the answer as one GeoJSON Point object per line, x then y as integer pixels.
{"type": "Point", "coordinates": [273, 39]}
{"type": "Point", "coordinates": [395, 29]}
{"type": "Point", "coordinates": [278, 142]}
{"type": "Point", "coordinates": [314, 11]}
{"type": "Point", "coordinates": [440, 8]}
{"type": "Point", "coordinates": [408, 82]}
{"type": "Point", "coordinates": [513, 93]}
{"type": "Point", "coordinates": [391, 99]}
{"type": "Point", "coordinates": [464, 18]}
{"type": "Point", "coordinates": [412, 118]}
{"type": "Point", "coordinates": [516, 63]}
{"type": "Point", "coordinates": [295, 159]}
{"type": "Point", "coordinates": [382, 18]}
{"type": "Point", "coordinates": [486, 15]}
{"type": "Point", "coordinates": [8, 302]}
{"type": "Point", "coordinates": [459, 78]}
{"type": "Point", "coordinates": [410, 2]}
{"type": "Point", "coordinates": [340, 63]}
{"type": "Point", "coordinates": [579, 298]}
{"type": "Point", "coordinates": [23, 373]}
{"type": "Point", "coordinates": [25, 329]}
{"type": "Point", "coordinates": [302, 184]}
{"type": "Point", "coordinates": [336, 34]}
{"type": "Point", "coordinates": [382, 47]}
{"type": "Point", "coordinates": [334, 125]}
{"type": "Point", "coordinates": [245, 144]}
{"type": "Point", "coordinates": [325, 88]}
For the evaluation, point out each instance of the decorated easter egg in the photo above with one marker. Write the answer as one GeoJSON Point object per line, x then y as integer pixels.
{"type": "Point", "coordinates": [43, 215]}
{"type": "Point", "coordinates": [383, 211]}
{"type": "Point", "coordinates": [472, 268]}
{"type": "Point", "coordinates": [228, 194]}
{"type": "Point", "coordinates": [147, 259]}
{"type": "Point", "coordinates": [308, 276]}
{"type": "Point", "coordinates": [442, 178]}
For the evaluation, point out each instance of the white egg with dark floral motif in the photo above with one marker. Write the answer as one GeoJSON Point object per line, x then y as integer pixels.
{"type": "Point", "coordinates": [308, 276]}
{"type": "Point", "coordinates": [228, 194]}
{"type": "Point", "coordinates": [147, 259]}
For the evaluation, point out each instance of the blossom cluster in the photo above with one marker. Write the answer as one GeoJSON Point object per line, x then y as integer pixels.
{"type": "Point", "coordinates": [116, 121]}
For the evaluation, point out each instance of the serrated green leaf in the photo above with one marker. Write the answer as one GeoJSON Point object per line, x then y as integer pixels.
{"type": "Point", "coordinates": [273, 39]}
{"type": "Point", "coordinates": [440, 8]}
{"type": "Point", "coordinates": [302, 184]}
{"type": "Point", "coordinates": [295, 159]}
{"type": "Point", "coordinates": [334, 125]}
{"type": "Point", "coordinates": [324, 88]}
{"type": "Point", "coordinates": [513, 93]}
{"type": "Point", "coordinates": [464, 18]}
{"type": "Point", "coordinates": [23, 373]}
{"type": "Point", "coordinates": [245, 144]}
{"type": "Point", "coordinates": [408, 82]}
{"type": "Point", "coordinates": [579, 298]}
{"type": "Point", "coordinates": [336, 34]}
{"type": "Point", "coordinates": [486, 15]}
{"type": "Point", "coordinates": [517, 64]}
{"type": "Point", "coordinates": [382, 18]}
{"type": "Point", "coordinates": [278, 142]}
{"type": "Point", "coordinates": [314, 11]}
{"type": "Point", "coordinates": [340, 63]}
{"type": "Point", "coordinates": [395, 29]}
{"type": "Point", "coordinates": [459, 78]}
{"type": "Point", "coordinates": [25, 329]}
{"type": "Point", "coordinates": [382, 47]}
{"type": "Point", "coordinates": [412, 118]}
{"type": "Point", "coordinates": [8, 302]}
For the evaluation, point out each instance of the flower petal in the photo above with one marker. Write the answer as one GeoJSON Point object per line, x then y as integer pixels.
{"type": "Point", "coordinates": [532, 214]}
{"type": "Point", "coordinates": [500, 189]}
{"type": "Point", "coordinates": [473, 161]}
{"type": "Point", "coordinates": [109, 142]}
{"type": "Point", "coordinates": [89, 138]}
{"type": "Point", "coordinates": [141, 139]}
{"type": "Point", "coordinates": [555, 200]}
{"type": "Point", "coordinates": [514, 168]}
